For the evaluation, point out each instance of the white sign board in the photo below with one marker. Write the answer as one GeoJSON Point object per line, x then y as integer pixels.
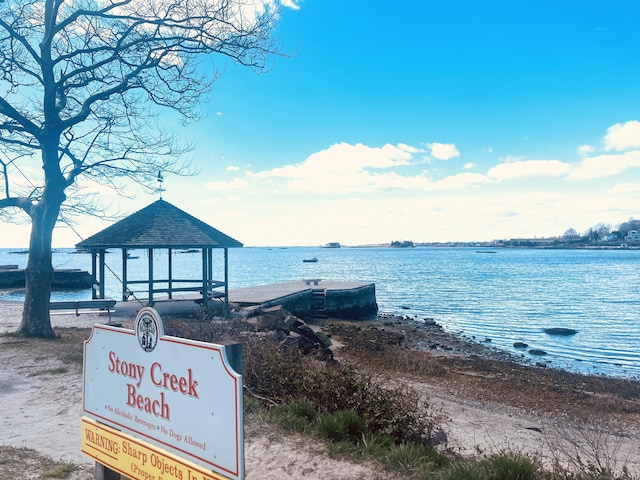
{"type": "Point", "coordinates": [179, 394]}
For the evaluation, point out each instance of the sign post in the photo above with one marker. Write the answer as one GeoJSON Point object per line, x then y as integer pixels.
{"type": "Point", "coordinates": [155, 406]}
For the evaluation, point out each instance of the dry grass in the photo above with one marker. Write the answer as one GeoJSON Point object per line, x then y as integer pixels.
{"type": "Point", "coordinates": [25, 463]}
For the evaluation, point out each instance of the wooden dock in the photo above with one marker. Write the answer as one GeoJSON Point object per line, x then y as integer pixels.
{"type": "Point", "coordinates": [354, 300]}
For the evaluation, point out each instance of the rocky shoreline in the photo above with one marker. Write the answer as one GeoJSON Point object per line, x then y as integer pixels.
{"type": "Point", "coordinates": [479, 372]}
{"type": "Point", "coordinates": [423, 351]}
{"type": "Point", "coordinates": [427, 334]}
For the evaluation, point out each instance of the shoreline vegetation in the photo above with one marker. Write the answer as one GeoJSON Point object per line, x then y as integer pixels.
{"type": "Point", "coordinates": [589, 426]}
{"type": "Point", "coordinates": [396, 397]}
{"type": "Point", "coordinates": [391, 390]}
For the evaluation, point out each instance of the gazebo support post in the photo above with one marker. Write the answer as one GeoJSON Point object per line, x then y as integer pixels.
{"type": "Point", "coordinates": [94, 278]}
{"type": "Point", "coordinates": [170, 269]}
{"type": "Point", "coordinates": [205, 278]}
{"type": "Point", "coordinates": [101, 284]}
{"type": "Point", "coordinates": [226, 280]}
{"type": "Point", "coordinates": [210, 269]}
{"type": "Point", "coordinates": [125, 256]}
{"type": "Point", "coordinates": [150, 255]}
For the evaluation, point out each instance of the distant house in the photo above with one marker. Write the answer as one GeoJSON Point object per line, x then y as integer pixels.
{"type": "Point", "coordinates": [633, 236]}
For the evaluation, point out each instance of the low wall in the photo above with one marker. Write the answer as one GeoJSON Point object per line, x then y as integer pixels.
{"type": "Point", "coordinates": [354, 303]}
{"type": "Point", "coordinates": [298, 304]}
{"type": "Point", "coordinates": [357, 303]}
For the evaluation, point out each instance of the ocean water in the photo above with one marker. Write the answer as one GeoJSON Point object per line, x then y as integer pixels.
{"type": "Point", "coordinates": [501, 295]}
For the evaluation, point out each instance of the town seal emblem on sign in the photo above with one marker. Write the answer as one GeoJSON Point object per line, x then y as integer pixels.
{"type": "Point", "coordinates": [148, 328]}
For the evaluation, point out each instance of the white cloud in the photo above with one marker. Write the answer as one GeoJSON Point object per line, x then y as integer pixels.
{"type": "Point", "coordinates": [409, 148]}
{"type": "Point", "coordinates": [460, 181]}
{"type": "Point", "coordinates": [234, 184]}
{"type": "Point", "coordinates": [232, 168]}
{"type": "Point", "coordinates": [469, 165]}
{"type": "Point", "coordinates": [345, 168]}
{"type": "Point", "coordinates": [343, 158]}
{"type": "Point", "coordinates": [623, 136]}
{"type": "Point", "coordinates": [605, 165]}
{"type": "Point", "coordinates": [625, 188]}
{"type": "Point", "coordinates": [290, 4]}
{"type": "Point", "coordinates": [520, 169]}
{"type": "Point", "coordinates": [363, 182]}
{"type": "Point", "coordinates": [585, 150]}
{"type": "Point", "coordinates": [443, 151]}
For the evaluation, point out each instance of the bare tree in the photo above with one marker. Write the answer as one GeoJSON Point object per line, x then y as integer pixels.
{"type": "Point", "coordinates": [602, 230]}
{"type": "Point", "coordinates": [571, 233]}
{"type": "Point", "coordinates": [81, 85]}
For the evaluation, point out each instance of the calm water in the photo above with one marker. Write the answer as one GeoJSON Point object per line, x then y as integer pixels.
{"type": "Point", "coordinates": [507, 296]}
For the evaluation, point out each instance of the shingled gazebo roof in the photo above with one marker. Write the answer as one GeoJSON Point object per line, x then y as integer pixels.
{"type": "Point", "coordinates": [159, 225]}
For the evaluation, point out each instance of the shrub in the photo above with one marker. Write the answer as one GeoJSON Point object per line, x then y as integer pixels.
{"type": "Point", "coordinates": [412, 458]}
{"type": "Point", "coordinates": [299, 416]}
{"type": "Point", "coordinates": [397, 412]}
{"type": "Point", "coordinates": [342, 426]}
{"type": "Point", "coordinates": [511, 466]}
{"type": "Point", "coordinates": [461, 470]}
{"type": "Point", "coordinates": [277, 378]}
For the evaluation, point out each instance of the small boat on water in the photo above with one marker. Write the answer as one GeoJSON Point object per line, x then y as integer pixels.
{"type": "Point", "coordinates": [310, 260]}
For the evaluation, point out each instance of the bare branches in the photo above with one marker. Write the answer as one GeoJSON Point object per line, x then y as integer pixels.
{"type": "Point", "coordinates": [22, 203]}
{"type": "Point", "coordinates": [82, 82]}
{"type": "Point", "coordinates": [17, 121]}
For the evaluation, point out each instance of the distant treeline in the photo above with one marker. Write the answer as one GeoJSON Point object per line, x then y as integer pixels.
{"type": "Point", "coordinates": [402, 244]}
{"type": "Point", "coordinates": [604, 234]}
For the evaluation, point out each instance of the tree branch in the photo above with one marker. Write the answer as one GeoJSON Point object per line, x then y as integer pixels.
{"type": "Point", "coordinates": [24, 204]}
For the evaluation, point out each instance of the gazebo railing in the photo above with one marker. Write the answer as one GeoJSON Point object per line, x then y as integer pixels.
{"type": "Point", "coordinates": [176, 286]}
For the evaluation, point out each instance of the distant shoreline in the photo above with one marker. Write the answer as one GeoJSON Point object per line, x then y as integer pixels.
{"type": "Point", "coordinates": [617, 246]}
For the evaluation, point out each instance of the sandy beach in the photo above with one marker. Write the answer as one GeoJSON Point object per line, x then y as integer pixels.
{"type": "Point", "coordinates": [41, 398]}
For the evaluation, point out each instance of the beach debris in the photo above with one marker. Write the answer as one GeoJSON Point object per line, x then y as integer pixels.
{"type": "Point", "coordinates": [294, 331]}
{"type": "Point", "coordinates": [534, 429]}
{"type": "Point", "coordinates": [438, 437]}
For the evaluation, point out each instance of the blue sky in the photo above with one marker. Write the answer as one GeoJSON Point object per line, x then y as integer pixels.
{"type": "Point", "coordinates": [421, 120]}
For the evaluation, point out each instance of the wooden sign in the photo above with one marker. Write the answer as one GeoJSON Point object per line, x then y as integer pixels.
{"type": "Point", "coordinates": [181, 396]}
{"type": "Point", "coordinates": [134, 458]}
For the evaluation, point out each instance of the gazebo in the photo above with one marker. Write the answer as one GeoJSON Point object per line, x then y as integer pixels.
{"type": "Point", "coordinates": [161, 226]}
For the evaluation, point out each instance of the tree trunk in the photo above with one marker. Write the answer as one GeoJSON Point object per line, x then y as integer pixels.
{"type": "Point", "coordinates": [36, 321]}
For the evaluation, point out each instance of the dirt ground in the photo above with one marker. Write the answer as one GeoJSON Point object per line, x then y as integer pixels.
{"type": "Point", "coordinates": [487, 403]}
